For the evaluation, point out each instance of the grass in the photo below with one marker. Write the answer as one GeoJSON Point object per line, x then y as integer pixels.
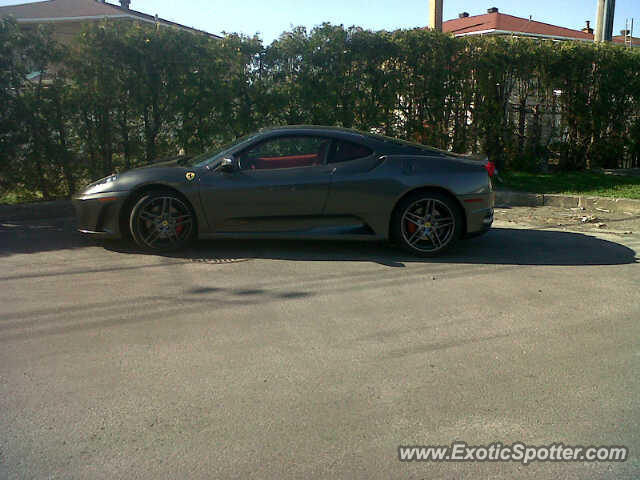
{"type": "Point", "coordinates": [573, 183]}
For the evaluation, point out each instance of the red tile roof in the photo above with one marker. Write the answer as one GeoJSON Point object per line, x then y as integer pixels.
{"type": "Point", "coordinates": [70, 10]}
{"type": "Point", "coordinates": [620, 39]}
{"type": "Point", "coordinates": [58, 9]}
{"type": "Point", "coordinates": [509, 23]}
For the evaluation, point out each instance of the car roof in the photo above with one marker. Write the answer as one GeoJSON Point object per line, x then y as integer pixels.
{"type": "Point", "coordinates": [316, 129]}
{"type": "Point", "coordinates": [312, 127]}
{"type": "Point", "coordinates": [380, 143]}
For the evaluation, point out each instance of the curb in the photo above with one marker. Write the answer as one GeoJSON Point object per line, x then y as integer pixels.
{"type": "Point", "coordinates": [37, 210]}
{"type": "Point", "coordinates": [523, 199]}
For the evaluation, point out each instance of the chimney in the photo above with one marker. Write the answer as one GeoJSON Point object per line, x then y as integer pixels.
{"type": "Point", "coordinates": [588, 28]}
{"type": "Point", "coordinates": [435, 15]}
{"type": "Point", "coordinates": [125, 4]}
{"type": "Point", "coordinates": [463, 15]}
{"type": "Point", "coordinates": [493, 10]}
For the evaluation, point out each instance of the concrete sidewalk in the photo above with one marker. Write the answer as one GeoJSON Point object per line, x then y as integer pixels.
{"type": "Point", "coordinates": [509, 198]}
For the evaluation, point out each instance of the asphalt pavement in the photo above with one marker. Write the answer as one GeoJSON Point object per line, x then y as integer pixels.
{"type": "Point", "coordinates": [253, 359]}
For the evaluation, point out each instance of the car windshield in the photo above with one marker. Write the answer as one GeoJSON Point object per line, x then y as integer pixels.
{"type": "Point", "coordinates": [211, 157]}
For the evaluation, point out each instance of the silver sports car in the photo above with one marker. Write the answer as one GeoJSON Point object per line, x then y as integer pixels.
{"type": "Point", "coordinates": [304, 182]}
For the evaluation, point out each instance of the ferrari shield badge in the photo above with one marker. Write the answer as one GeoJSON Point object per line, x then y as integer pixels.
{"type": "Point", "coordinates": [190, 175]}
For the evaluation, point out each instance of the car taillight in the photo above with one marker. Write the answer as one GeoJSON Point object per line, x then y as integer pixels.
{"type": "Point", "coordinates": [491, 168]}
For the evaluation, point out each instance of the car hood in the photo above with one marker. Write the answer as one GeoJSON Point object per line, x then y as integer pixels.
{"type": "Point", "coordinates": [172, 162]}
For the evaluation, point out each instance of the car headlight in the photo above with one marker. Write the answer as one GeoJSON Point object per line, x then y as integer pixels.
{"type": "Point", "coordinates": [101, 185]}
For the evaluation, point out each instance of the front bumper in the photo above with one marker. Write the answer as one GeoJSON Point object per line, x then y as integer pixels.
{"type": "Point", "coordinates": [99, 213]}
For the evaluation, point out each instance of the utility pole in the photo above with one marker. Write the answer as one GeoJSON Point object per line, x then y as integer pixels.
{"type": "Point", "coordinates": [628, 34]}
{"type": "Point", "coordinates": [435, 15]}
{"type": "Point", "coordinates": [599, 21]}
{"type": "Point", "coordinates": [604, 20]}
{"type": "Point", "coordinates": [609, 12]}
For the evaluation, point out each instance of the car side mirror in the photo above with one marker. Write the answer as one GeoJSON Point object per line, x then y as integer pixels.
{"type": "Point", "coordinates": [227, 165]}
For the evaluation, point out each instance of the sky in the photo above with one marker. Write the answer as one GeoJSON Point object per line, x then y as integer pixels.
{"type": "Point", "coordinates": [270, 18]}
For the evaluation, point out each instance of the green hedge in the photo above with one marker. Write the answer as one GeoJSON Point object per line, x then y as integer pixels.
{"type": "Point", "coordinates": [127, 94]}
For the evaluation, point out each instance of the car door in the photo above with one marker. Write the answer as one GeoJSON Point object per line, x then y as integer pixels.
{"type": "Point", "coordinates": [279, 184]}
{"type": "Point", "coordinates": [355, 183]}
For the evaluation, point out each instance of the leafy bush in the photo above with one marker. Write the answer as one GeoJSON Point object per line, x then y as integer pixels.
{"type": "Point", "coordinates": [125, 94]}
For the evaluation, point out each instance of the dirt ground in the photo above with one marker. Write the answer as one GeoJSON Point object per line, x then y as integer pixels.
{"type": "Point", "coordinates": [571, 219]}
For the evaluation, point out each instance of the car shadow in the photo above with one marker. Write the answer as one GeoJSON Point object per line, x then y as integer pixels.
{"type": "Point", "coordinates": [41, 235]}
{"type": "Point", "coordinates": [500, 246]}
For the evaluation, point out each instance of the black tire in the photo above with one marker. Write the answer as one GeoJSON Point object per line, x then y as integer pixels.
{"type": "Point", "coordinates": [427, 223]}
{"type": "Point", "coordinates": [162, 221]}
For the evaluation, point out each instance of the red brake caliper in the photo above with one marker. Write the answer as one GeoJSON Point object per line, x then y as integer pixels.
{"type": "Point", "coordinates": [411, 227]}
{"type": "Point", "coordinates": [179, 228]}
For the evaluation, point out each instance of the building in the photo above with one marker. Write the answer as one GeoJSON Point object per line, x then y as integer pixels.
{"type": "Point", "coordinates": [496, 23]}
{"type": "Point", "coordinates": [528, 111]}
{"type": "Point", "coordinates": [68, 16]}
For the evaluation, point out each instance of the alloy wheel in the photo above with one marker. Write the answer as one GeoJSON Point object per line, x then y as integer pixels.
{"type": "Point", "coordinates": [163, 222]}
{"type": "Point", "coordinates": [428, 225]}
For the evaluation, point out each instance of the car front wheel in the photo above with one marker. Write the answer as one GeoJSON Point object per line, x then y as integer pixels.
{"type": "Point", "coordinates": [161, 221]}
{"type": "Point", "coordinates": [427, 223]}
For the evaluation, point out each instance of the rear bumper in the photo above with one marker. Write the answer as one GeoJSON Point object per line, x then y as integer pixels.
{"type": "Point", "coordinates": [487, 221]}
{"type": "Point", "coordinates": [99, 214]}
{"type": "Point", "coordinates": [479, 213]}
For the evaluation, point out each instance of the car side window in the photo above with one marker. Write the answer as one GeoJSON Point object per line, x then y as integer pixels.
{"type": "Point", "coordinates": [285, 152]}
{"type": "Point", "coordinates": [346, 151]}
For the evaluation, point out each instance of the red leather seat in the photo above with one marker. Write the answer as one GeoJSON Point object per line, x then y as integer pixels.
{"type": "Point", "coordinates": [289, 161]}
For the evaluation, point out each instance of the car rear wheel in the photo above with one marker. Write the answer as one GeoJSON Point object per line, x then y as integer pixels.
{"type": "Point", "coordinates": [161, 221]}
{"type": "Point", "coordinates": [427, 223]}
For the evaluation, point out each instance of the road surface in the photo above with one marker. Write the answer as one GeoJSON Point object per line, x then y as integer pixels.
{"type": "Point", "coordinates": [314, 360]}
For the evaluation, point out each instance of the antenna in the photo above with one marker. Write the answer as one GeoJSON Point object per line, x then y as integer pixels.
{"type": "Point", "coordinates": [628, 33]}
